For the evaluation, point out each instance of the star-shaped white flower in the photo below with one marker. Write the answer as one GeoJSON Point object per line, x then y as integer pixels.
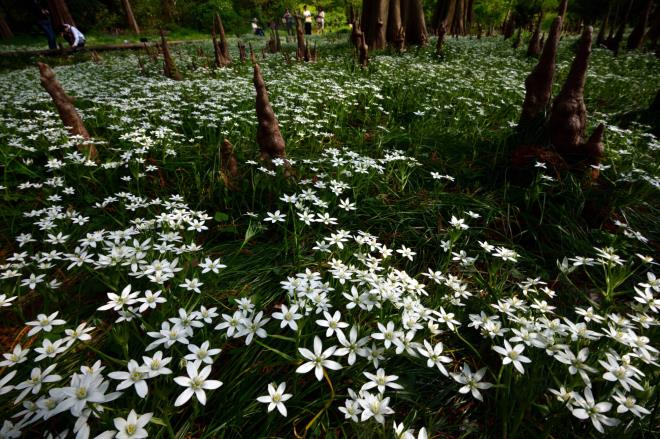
{"type": "Point", "coordinates": [276, 398]}
{"type": "Point", "coordinates": [195, 383]}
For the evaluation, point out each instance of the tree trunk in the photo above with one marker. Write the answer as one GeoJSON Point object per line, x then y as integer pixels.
{"type": "Point", "coordinates": [394, 22]}
{"type": "Point", "coordinates": [5, 31]}
{"type": "Point", "coordinates": [534, 48]}
{"type": "Point", "coordinates": [616, 42]}
{"type": "Point", "coordinates": [167, 11]}
{"type": "Point", "coordinates": [132, 23]}
{"type": "Point", "coordinates": [68, 114]}
{"type": "Point", "coordinates": [600, 39]}
{"type": "Point", "coordinates": [374, 23]}
{"type": "Point", "coordinates": [300, 38]}
{"type": "Point", "coordinates": [637, 36]}
{"type": "Point", "coordinates": [458, 25]}
{"type": "Point", "coordinates": [469, 15]}
{"type": "Point", "coordinates": [59, 14]}
{"type": "Point", "coordinates": [415, 25]}
{"type": "Point", "coordinates": [561, 11]}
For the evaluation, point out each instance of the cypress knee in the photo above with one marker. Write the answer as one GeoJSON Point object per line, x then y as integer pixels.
{"type": "Point", "coordinates": [68, 114]}
{"type": "Point", "coordinates": [568, 116]}
{"type": "Point", "coordinates": [538, 84]}
{"type": "Point", "coordinates": [269, 137]}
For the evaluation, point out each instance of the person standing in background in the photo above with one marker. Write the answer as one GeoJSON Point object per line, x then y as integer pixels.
{"type": "Point", "coordinates": [42, 15]}
{"type": "Point", "coordinates": [308, 20]}
{"type": "Point", "coordinates": [288, 21]}
{"type": "Point", "coordinates": [320, 20]}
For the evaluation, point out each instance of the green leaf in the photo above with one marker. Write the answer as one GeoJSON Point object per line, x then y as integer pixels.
{"type": "Point", "coordinates": [221, 217]}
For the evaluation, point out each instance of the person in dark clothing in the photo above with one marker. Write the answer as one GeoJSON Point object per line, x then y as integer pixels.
{"type": "Point", "coordinates": [42, 15]}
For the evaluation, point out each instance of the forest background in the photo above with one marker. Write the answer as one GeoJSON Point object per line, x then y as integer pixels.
{"type": "Point", "coordinates": [109, 17]}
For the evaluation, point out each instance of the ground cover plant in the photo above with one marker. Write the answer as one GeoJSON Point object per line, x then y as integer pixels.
{"type": "Point", "coordinates": [392, 276]}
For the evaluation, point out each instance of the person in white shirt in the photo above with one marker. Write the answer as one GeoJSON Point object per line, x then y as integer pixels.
{"type": "Point", "coordinates": [308, 20]}
{"type": "Point", "coordinates": [320, 20]}
{"type": "Point", "coordinates": [75, 38]}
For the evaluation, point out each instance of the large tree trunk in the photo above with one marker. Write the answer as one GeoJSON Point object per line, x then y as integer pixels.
{"type": "Point", "coordinates": [394, 23]}
{"type": "Point", "coordinates": [469, 15]}
{"type": "Point", "coordinates": [412, 16]}
{"type": "Point", "coordinates": [534, 48]}
{"type": "Point", "coordinates": [5, 31]}
{"type": "Point", "coordinates": [637, 36]}
{"type": "Point", "coordinates": [374, 22]}
{"type": "Point", "coordinates": [458, 25]}
{"type": "Point", "coordinates": [132, 23]}
{"type": "Point", "coordinates": [59, 14]}
{"type": "Point", "coordinates": [443, 11]}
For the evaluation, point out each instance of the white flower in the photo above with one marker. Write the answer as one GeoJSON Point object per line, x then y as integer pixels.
{"type": "Point", "coordinates": [192, 285]}
{"type": "Point", "coordinates": [156, 365]}
{"type": "Point", "coordinates": [16, 356]}
{"type": "Point", "coordinates": [211, 265]}
{"type": "Point", "coordinates": [276, 398]}
{"type": "Point", "coordinates": [351, 345]}
{"type": "Point", "coordinates": [202, 353]}
{"type": "Point", "coordinates": [275, 217]}
{"type": "Point", "coordinates": [318, 359]}
{"type": "Point", "coordinates": [252, 327]}
{"type": "Point", "coordinates": [288, 316]}
{"type": "Point", "coordinates": [44, 323]}
{"type": "Point", "coordinates": [117, 302]}
{"type": "Point", "coordinates": [195, 383]}
{"type": "Point", "coordinates": [471, 381]}
{"type": "Point", "coordinates": [133, 426]}
{"type": "Point", "coordinates": [586, 408]}
{"type": "Point", "coordinates": [135, 376]}
{"type": "Point", "coordinates": [433, 353]}
{"type": "Point", "coordinates": [512, 355]}
{"type": "Point", "coordinates": [333, 323]}
{"type": "Point", "coordinates": [629, 403]}
{"type": "Point", "coordinates": [387, 333]}
{"type": "Point", "coordinates": [381, 381]}
{"type": "Point", "coordinates": [406, 252]}
{"type": "Point", "coordinates": [374, 406]}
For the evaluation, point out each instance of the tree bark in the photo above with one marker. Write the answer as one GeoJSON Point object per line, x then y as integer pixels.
{"type": "Point", "coordinates": [568, 117]}
{"type": "Point", "coordinates": [167, 11]}
{"type": "Point", "coordinates": [132, 23]}
{"type": "Point", "coordinates": [68, 114]}
{"type": "Point", "coordinates": [59, 14]}
{"type": "Point", "coordinates": [269, 137]}
{"type": "Point", "coordinates": [169, 67]}
{"type": "Point", "coordinates": [374, 22]}
{"type": "Point", "coordinates": [224, 45]}
{"type": "Point", "coordinates": [637, 36]}
{"type": "Point", "coordinates": [561, 11]}
{"type": "Point", "coordinates": [394, 23]}
{"type": "Point", "coordinates": [615, 43]}
{"type": "Point", "coordinates": [5, 30]}
{"type": "Point", "coordinates": [538, 84]}
{"type": "Point", "coordinates": [534, 48]}
{"type": "Point", "coordinates": [415, 24]}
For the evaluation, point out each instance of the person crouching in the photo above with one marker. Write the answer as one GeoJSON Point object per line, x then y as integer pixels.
{"type": "Point", "coordinates": [74, 37]}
